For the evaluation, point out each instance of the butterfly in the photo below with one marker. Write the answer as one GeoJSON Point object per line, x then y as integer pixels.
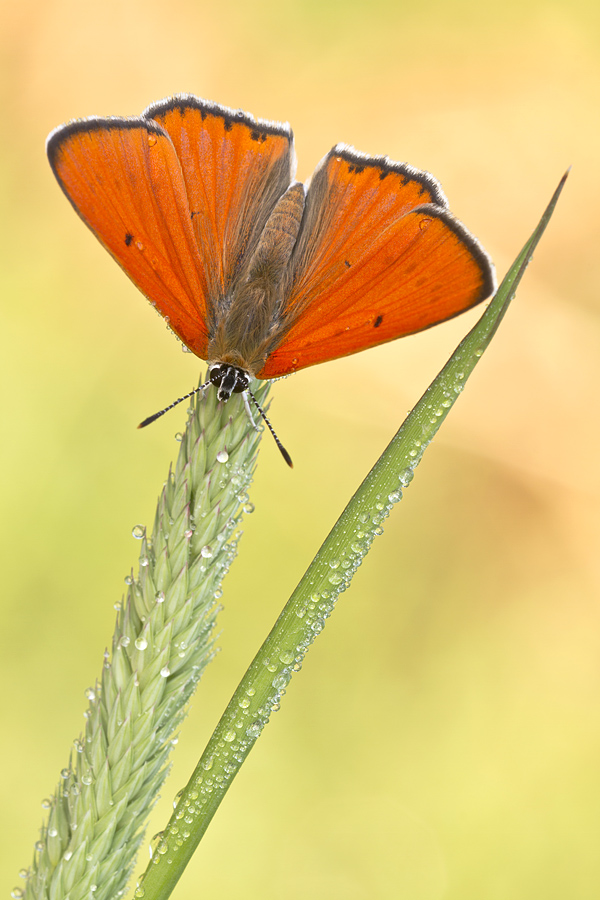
{"type": "Point", "coordinates": [255, 272]}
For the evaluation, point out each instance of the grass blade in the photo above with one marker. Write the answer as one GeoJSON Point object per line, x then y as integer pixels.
{"type": "Point", "coordinates": [303, 618]}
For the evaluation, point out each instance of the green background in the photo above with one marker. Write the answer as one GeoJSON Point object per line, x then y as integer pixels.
{"type": "Point", "coordinates": [466, 658]}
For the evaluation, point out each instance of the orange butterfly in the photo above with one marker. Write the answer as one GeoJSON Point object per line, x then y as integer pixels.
{"type": "Point", "coordinates": [256, 273]}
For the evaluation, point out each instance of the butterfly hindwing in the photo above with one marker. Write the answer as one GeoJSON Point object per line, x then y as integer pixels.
{"type": "Point", "coordinates": [378, 257]}
{"type": "Point", "coordinates": [235, 168]}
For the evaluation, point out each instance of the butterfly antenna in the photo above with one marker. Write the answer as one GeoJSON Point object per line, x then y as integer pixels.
{"type": "Point", "coordinates": [282, 449]}
{"type": "Point", "coordinates": [157, 415]}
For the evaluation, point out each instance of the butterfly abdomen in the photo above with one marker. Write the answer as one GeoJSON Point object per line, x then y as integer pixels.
{"type": "Point", "coordinates": [241, 336]}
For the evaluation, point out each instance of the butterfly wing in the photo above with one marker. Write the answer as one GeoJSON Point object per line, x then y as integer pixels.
{"type": "Point", "coordinates": [124, 179]}
{"type": "Point", "coordinates": [179, 207]}
{"type": "Point", "coordinates": [235, 168]}
{"type": "Point", "coordinates": [379, 256]}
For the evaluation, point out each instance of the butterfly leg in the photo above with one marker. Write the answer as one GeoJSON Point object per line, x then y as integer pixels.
{"type": "Point", "coordinates": [249, 410]}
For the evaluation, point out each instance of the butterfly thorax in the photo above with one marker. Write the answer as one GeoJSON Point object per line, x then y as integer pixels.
{"type": "Point", "coordinates": [249, 321]}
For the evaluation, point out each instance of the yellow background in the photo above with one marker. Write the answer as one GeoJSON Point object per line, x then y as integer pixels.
{"type": "Point", "coordinates": [443, 739]}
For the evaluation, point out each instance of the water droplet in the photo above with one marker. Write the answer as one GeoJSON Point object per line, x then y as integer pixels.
{"type": "Point", "coordinates": [141, 643]}
{"type": "Point", "coordinates": [334, 564]}
{"type": "Point", "coordinates": [129, 579]}
{"type": "Point", "coordinates": [222, 456]}
{"type": "Point", "coordinates": [139, 245]}
{"type": "Point", "coordinates": [90, 693]}
{"type": "Point", "coordinates": [254, 730]}
{"type": "Point", "coordinates": [124, 641]}
{"type": "Point", "coordinates": [395, 496]}
{"type": "Point", "coordinates": [178, 436]}
{"type": "Point", "coordinates": [281, 681]}
{"type": "Point", "coordinates": [286, 657]}
{"type": "Point", "coordinates": [248, 508]}
{"type": "Point", "coordinates": [165, 671]}
{"type": "Point", "coordinates": [229, 736]}
{"type": "Point", "coordinates": [152, 139]}
{"type": "Point", "coordinates": [153, 847]}
{"type": "Point", "coordinates": [86, 778]}
{"type": "Point", "coordinates": [46, 803]}
{"type": "Point", "coordinates": [17, 893]}
{"type": "Point", "coordinates": [206, 551]}
{"type": "Point", "coordinates": [64, 774]}
{"type": "Point", "coordinates": [160, 597]}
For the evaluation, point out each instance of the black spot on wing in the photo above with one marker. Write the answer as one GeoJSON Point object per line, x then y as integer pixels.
{"type": "Point", "coordinates": [378, 321]}
{"type": "Point", "coordinates": [128, 239]}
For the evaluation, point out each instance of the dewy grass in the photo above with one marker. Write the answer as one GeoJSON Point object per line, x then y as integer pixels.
{"type": "Point", "coordinates": [303, 618]}
{"type": "Point", "coordinates": [163, 639]}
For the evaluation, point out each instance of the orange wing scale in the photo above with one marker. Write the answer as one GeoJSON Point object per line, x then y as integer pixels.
{"type": "Point", "coordinates": [124, 179]}
{"type": "Point", "coordinates": [379, 257]}
{"type": "Point", "coordinates": [235, 169]}
{"type": "Point", "coordinates": [181, 195]}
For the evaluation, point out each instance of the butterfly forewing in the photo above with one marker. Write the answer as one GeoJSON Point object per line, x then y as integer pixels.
{"type": "Point", "coordinates": [235, 169]}
{"type": "Point", "coordinates": [124, 179]}
{"type": "Point", "coordinates": [378, 257]}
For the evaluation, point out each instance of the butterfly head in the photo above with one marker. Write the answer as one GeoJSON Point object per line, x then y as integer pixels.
{"type": "Point", "coordinates": [228, 380]}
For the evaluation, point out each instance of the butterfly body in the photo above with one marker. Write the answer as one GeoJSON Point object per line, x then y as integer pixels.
{"type": "Point", "coordinates": [250, 321]}
{"type": "Point", "coordinates": [257, 274]}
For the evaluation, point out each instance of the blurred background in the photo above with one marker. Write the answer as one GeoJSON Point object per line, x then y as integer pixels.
{"type": "Point", "coordinates": [465, 661]}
